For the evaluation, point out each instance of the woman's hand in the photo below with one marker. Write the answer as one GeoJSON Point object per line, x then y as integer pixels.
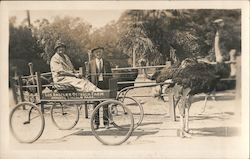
{"type": "Point", "coordinates": [68, 73]}
{"type": "Point", "coordinates": [78, 75]}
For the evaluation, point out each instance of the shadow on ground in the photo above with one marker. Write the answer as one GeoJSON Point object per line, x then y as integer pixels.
{"type": "Point", "coordinates": [149, 123]}
{"type": "Point", "coordinates": [217, 98]}
{"type": "Point", "coordinates": [111, 132]}
{"type": "Point", "coordinates": [217, 131]}
{"type": "Point", "coordinates": [215, 116]}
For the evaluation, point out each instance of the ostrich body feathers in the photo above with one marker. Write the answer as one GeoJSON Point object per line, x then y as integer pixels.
{"type": "Point", "coordinates": [199, 77]}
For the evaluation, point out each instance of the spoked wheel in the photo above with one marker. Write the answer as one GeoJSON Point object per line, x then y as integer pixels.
{"type": "Point", "coordinates": [64, 115]}
{"type": "Point", "coordinates": [135, 107]}
{"type": "Point", "coordinates": [26, 122]}
{"type": "Point", "coordinates": [114, 135]}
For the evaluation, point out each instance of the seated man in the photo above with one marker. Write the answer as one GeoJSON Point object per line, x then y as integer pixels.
{"type": "Point", "coordinates": [63, 71]}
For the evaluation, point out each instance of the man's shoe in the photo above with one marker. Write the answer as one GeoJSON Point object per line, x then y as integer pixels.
{"type": "Point", "coordinates": [106, 126]}
{"type": "Point", "coordinates": [96, 127]}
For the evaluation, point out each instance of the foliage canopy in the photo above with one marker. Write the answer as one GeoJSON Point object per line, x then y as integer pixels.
{"type": "Point", "coordinates": [157, 35]}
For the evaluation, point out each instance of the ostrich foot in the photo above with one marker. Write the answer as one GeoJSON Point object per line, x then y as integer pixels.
{"type": "Point", "coordinates": [188, 131]}
{"type": "Point", "coordinates": [184, 134]}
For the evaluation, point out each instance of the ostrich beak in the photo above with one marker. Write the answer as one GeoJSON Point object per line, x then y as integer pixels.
{"type": "Point", "coordinates": [219, 22]}
{"type": "Point", "coordinates": [169, 81]}
{"type": "Point", "coordinates": [164, 88]}
{"type": "Point", "coordinates": [156, 91]}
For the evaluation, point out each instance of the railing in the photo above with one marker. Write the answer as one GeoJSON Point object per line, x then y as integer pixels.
{"type": "Point", "coordinates": [141, 67]}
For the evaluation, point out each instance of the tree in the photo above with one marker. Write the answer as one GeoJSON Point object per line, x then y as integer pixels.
{"type": "Point", "coordinates": [22, 50]}
{"type": "Point", "coordinates": [190, 33]}
{"type": "Point", "coordinates": [134, 39]}
{"type": "Point", "coordinates": [108, 37]}
{"type": "Point", "coordinates": [74, 32]}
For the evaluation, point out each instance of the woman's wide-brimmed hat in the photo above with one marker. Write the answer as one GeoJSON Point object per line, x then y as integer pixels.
{"type": "Point", "coordinates": [59, 44]}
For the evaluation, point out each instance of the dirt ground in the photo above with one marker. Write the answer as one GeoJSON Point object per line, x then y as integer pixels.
{"type": "Point", "coordinates": [216, 133]}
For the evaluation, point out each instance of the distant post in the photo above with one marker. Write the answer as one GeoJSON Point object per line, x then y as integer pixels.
{"type": "Point", "coordinates": [89, 55]}
{"type": "Point", "coordinates": [134, 57]}
{"type": "Point", "coordinates": [233, 66]}
{"type": "Point", "coordinates": [86, 76]}
{"type": "Point", "coordinates": [238, 103]}
{"type": "Point", "coordinates": [238, 78]}
{"type": "Point", "coordinates": [28, 18]}
{"type": "Point", "coordinates": [13, 85]}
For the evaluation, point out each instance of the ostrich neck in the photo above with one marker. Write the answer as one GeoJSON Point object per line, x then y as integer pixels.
{"type": "Point", "coordinates": [217, 50]}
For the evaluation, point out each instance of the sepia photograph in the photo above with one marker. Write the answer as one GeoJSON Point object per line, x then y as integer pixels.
{"type": "Point", "coordinates": [116, 79]}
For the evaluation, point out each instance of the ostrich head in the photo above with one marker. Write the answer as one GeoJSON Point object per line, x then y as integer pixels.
{"type": "Point", "coordinates": [142, 61]}
{"type": "Point", "coordinates": [188, 62]}
{"type": "Point", "coordinates": [156, 91]}
{"type": "Point", "coordinates": [218, 23]}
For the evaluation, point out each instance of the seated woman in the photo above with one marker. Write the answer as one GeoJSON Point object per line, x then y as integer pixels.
{"type": "Point", "coordinates": [63, 71]}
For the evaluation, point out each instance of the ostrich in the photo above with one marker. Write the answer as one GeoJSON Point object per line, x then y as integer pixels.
{"type": "Point", "coordinates": [191, 77]}
{"type": "Point", "coordinates": [188, 78]}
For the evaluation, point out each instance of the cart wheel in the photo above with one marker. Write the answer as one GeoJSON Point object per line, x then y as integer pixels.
{"type": "Point", "coordinates": [64, 115]}
{"type": "Point", "coordinates": [114, 135]}
{"type": "Point", "coordinates": [135, 107]}
{"type": "Point", "coordinates": [26, 122]}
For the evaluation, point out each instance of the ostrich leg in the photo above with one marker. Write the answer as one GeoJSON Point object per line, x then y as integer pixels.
{"type": "Point", "coordinates": [185, 105]}
{"type": "Point", "coordinates": [188, 105]}
{"type": "Point", "coordinates": [205, 104]}
{"type": "Point", "coordinates": [186, 120]}
{"type": "Point", "coordinates": [182, 132]}
{"type": "Point", "coordinates": [212, 95]}
{"type": "Point", "coordinates": [186, 129]}
{"type": "Point", "coordinates": [182, 111]}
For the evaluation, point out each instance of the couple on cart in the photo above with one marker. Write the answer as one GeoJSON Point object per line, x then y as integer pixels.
{"type": "Point", "coordinates": [63, 72]}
